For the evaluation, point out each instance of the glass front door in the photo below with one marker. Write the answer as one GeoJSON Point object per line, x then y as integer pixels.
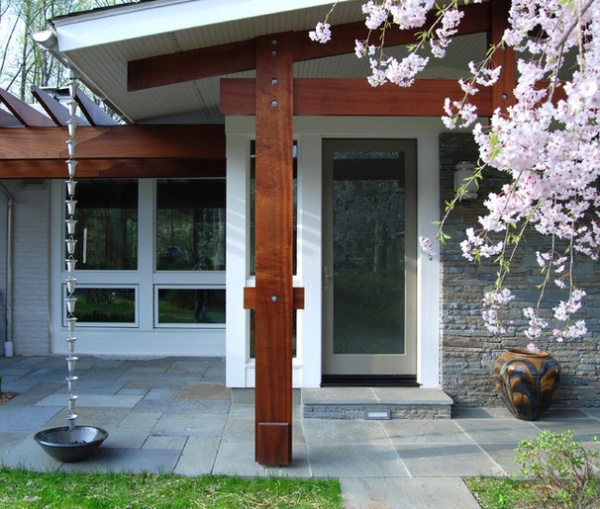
{"type": "Point", "coordinates": [369, 272]}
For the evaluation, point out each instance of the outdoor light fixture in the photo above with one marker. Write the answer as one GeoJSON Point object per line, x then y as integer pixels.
{"type": "Point", "coordinates": [463, 172]}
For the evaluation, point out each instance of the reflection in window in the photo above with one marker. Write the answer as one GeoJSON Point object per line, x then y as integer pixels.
{"type": "Point", "coordinates": [105, 306]}
{"type": "Point", "coordinates": [190, 225]}
{"type": "Point", "coordinates": [107, 227]}
{"type": "Point", "coordinates": [189, 306]}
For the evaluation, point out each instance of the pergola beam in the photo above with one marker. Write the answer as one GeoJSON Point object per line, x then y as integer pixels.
{"type": "Point", "coordinates": [115, 168]}
{"type": "Point", "coordinates": [116, 142]}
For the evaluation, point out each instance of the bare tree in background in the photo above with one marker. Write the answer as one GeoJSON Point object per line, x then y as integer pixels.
{"type": "Point", "coordinates": [22, 62]}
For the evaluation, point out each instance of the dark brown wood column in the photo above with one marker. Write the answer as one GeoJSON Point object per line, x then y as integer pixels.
{"type": "Point", "coordinates": [503, 89]}
{"type": "Point", "coordinates": [273, 298]}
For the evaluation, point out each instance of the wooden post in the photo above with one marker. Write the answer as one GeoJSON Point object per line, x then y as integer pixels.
{"type": "Point", "coordinates": [502, 90]}
{"type": "Point", "coordinates": [274, 295]}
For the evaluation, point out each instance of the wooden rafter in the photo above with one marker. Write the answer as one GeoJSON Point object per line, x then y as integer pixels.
{"type": "Point", "coordinates": [25, 114]}
{"type": "Point", "coordinates": [8, 120]}
{"type": "Point", "coordinates": [92, 112]}
{"type": "Point", "coordinates": [241, 56]}
{"type": "Point", "coordinates": [59, 114]}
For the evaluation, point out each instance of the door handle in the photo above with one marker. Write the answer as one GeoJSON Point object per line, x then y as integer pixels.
{"type": "Point", "coordinates": [327, 276]}
{"type": "Point", "coordinates": [326, 273]}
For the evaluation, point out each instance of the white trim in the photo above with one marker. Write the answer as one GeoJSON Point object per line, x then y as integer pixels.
{"type": "Point", "coordinates": [147, 19]}
{"type": "Point", "coordinates": [238, 326]}
{"type": "Point", "coordinates": [310, 264]}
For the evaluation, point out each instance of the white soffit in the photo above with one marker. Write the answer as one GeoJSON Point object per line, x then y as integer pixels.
{"type": "Point", "coordinates": [163, 16]}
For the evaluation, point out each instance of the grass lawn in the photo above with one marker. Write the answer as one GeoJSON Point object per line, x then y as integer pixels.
{"type": "Point", "coordinates": [504, 493]}
{"type": "Point", "coordinates": [22, 489]}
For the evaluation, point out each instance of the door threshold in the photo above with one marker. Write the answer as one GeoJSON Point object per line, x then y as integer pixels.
{"type": "Point", "coordinates": [369, 381]}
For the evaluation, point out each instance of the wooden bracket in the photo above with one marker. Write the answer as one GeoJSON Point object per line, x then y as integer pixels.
{"type": "Point", "coordinates": [250, 297]}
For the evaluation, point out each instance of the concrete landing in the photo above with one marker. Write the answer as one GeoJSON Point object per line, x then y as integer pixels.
{"type": "Point", "coordinates": [375, 403]}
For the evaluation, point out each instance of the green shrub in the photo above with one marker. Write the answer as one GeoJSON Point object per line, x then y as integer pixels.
{"type": "Point", "coordinates": [567, 473]}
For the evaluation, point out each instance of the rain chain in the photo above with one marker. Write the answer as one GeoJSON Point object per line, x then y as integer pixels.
{"type": "Point", "coordinates": [71, 242]}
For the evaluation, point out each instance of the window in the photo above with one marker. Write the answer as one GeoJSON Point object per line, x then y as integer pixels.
{"type": "Point", "coordinates": [107, 227]}
{"type": "Point", "coordinates": [150, 253]}
{"type": "Point", "coordinates": [190, 306]}
{"type": "Point", "coordinates": [105, 306]}
{"type": "Point", "coordinates": [190, 225]}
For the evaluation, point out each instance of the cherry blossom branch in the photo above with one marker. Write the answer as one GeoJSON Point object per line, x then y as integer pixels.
{"type": "Point", "coordinates": [546, 146]}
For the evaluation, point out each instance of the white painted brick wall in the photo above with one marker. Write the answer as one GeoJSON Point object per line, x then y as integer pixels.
{"type": "Point", "coordinates": [3, 261]}
{"type": "Point", "coordinates": [31, 311]}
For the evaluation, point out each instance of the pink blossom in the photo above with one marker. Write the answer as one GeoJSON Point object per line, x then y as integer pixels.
{"type": "Point", "coordinates": [321, 33]}
{"type": "Point", "coordinates": [427, 246]}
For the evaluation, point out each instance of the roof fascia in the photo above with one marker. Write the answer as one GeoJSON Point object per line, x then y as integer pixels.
{"type": "Point", "coordinates": [151, 18]}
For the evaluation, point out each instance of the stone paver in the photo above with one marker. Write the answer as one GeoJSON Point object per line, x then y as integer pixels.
{"type": "Point", "coordinates": [175, 415]}
{"type": "Point", "coordinates": [406, 493]}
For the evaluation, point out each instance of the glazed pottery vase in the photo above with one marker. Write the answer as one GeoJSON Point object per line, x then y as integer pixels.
{"type": "Point", "coordinates": [526, 381]}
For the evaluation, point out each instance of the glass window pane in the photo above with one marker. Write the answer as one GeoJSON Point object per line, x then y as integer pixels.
{"type": "Point", "coordinates": [104, 305]}
{"type": "Point", "coordinates": [107, 227]}
{"type": "Point", "coordinates": [368, 208]}
{"type": "Point", "coordinates": [190, 225]}
{"type": "Point", "coordinates": [189, 306]}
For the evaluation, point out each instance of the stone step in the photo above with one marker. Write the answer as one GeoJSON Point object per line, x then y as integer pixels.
{"type": "Point", "coordinates": [375, 403]}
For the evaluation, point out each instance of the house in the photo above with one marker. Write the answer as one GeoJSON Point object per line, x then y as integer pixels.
{"type": "Point", "coordinates": [254, 173]}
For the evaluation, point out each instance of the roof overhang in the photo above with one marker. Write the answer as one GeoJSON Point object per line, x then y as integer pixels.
{"type": "Point", "coordinates": [149, 19]}
{"type": "Point", "coordinates": [100, 45]}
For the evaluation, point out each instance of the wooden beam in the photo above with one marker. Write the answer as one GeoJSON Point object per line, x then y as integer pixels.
{"type": "Point", "coordinates": [190, 65]}
{"type": "Point", "coordinates": [274, 245]}
{"type": "Point", "coordinates": [354, 96]}
{"type": "Point", "coordinates": [24, 113]}
{"type": "Point", "coordinates": [124, 141]}
{"type": "Point", "coordinates": [114, 168]}
{"type": "Point", "coordinates": [240, 56]}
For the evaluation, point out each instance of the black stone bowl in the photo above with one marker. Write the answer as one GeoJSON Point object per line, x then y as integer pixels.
{"type": "Point", "coordinates": [68, 445]}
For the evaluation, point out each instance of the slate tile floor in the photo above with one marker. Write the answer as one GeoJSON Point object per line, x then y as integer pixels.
{"type": "Point", "coordinates": [175, 415]}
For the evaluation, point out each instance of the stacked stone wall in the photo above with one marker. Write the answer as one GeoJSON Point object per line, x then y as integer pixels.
{"type": "Point", "coordinates": [468, 350]}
